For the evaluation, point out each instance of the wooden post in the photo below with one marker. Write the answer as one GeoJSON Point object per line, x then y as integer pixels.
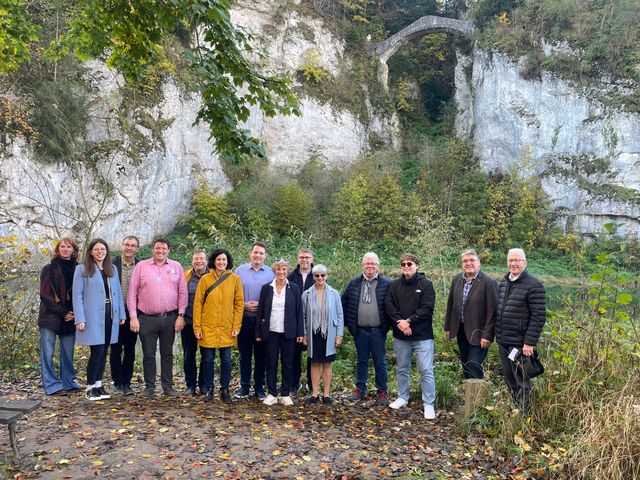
{"type": "Point", "coordinates": [476, 393]}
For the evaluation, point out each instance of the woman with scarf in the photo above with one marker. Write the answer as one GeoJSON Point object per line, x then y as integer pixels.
{"type": "Point", "coordinates": [55, 318]}
{"type": "Point", "coordinates": [324, 327]}
{"type": "Point", "coordinates": [99, 310]}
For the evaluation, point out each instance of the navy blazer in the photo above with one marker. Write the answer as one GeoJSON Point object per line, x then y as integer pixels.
{"type": "Point", "coordinates": [293, 322]}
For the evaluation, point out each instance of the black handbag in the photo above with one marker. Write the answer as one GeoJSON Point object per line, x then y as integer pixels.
{"type": "Point", "coordinates": [530, 366]}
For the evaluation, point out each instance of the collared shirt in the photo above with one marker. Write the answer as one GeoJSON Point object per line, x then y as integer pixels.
{"type": "Point", "coordinates": [466, 287]}
{"type": "Point", "coordinates": [157, 289]}
{"type": "Point", "coordinates": [252, 282]}
{"type": "Point", "coordinates": [276, 323]}
{"type": "Point", "coordinates": [127, 270]}
{"type": "Point", "coordinates": [513, 278]}
{"type": "Point", "coordinates": [192, 286]}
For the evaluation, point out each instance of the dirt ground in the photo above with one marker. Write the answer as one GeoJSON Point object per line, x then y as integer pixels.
{"type": "Point", "coordinates": [131, 437]}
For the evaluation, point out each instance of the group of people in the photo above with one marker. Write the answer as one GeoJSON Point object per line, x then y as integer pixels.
{"type": "Point", "coordinates": [272, 315]}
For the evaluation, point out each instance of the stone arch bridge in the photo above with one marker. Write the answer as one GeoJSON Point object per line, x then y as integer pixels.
{"type": "Point", "coordinates": [423, 26]}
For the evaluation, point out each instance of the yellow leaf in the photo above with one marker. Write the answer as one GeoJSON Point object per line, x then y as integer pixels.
{"type": "Point", "coordinates": [521, 443]}
{"type": "Point", "coordinates": [163, 430]}
{"type": "Point", "coordinates": [275, 452]}
{"type": "Point", "coordinates": [97, 463]}
{"type": "Point", "coordinates": [63, 461]}
{"type": "Point", "coordinates": [146, 455]}
{"type": "Point", "coordinates": [489, 408]}
{"type": "Point", "coordinates": [306, 458]}
{"type": "Point", "coordinates": [257, 437]}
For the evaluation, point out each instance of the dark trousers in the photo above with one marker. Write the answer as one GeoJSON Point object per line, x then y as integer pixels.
{"type": "Point", "coordinates": [189, 349]}
{"type": "Point", "coordinates": [209, 355]}
{"type": "Point", "coordinates": [279, 346]}
{"type": "Point", "coordinates": [371, 343]}
{"type": "Point", "coordinates": [471, 356]}
{"type": "Point", "coordinates": [517, 381]}
{"type": "Point", "coordinates": [297, 368]}
{"type": "Point", "coordinates": [98, 356]}
{"type": "Point", "coordinates": [248, 348]}
{"type": "Point", "coordinates": [153, 329]}
{"type": "Point", "coordinates": [123, 355]}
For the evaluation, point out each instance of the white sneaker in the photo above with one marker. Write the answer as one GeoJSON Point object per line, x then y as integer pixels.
{"type": "Point", "coordinates": [270, 400]}
{"type": "Point", "coordinates": [398, 403]}
{"type": "Point", "coordinates": [286, 400]}
{"type": "Point", "coordinates": [429, 412]}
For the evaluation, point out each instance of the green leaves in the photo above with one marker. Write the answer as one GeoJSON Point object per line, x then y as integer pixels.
{"type": "Point", "coordinates": [17, 32]}
{"type": "Point", "coordinates": [128, 36]}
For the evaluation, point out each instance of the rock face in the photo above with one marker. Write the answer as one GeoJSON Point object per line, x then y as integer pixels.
{"type": "Point", "coordinates": [145, 195]}
{"type": "Point", "coordinates": [587, 155]}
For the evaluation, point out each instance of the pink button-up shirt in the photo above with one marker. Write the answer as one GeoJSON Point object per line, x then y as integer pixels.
{"type": "Point", "coordinates": [157, 289]}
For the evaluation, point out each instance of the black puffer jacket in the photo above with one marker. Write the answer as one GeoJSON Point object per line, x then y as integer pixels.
{"type": "Point", "coordinates": [521, 310]}
{"type": "Point", "coordinates": [411, 299]}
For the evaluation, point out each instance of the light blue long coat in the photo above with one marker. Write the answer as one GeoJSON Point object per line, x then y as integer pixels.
{"type": "Point", "coordinates": [89, 306]}
{"type": "Point", "coordinates": [336, 317]}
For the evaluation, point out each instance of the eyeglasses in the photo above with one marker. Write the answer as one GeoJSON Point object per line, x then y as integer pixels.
{"type": "Point", "coordinates": [515, 260]}
{"type": "Point", "coordinates": [304, 258]}
{"type": "Point", "coordinates": [406, 264]}
{"type": "Point", "coordinates": [130, 245]}
{"type": "Point", "coordinates": [318, 275]}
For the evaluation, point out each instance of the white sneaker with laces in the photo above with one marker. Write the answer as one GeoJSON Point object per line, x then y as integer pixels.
{"type": "Point", "coordinates": [286, 401]}
{"type": "Point", "coordinates": [429, 412]}
{"type": "Point", "coordinates": [398, 403]}
{"type": "Point", "coordinates": [270, 400]}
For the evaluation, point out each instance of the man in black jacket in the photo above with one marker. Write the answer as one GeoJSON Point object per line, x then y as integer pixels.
{"type": "Point", "coordinates": [409, 306]}
{"type": "Point", "coordinates": [471, 313]}
{"type": "Point", "coordinates": [365, 317]}
{"type": "Point", "coordinates": [520, 319]}
{"type": "Point", "coordinates": [123, 353]}
{"type": "Point", "coordinates": [303, 278]}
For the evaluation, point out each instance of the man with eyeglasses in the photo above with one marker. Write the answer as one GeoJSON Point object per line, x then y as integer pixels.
{"type": "Point", "coordinates": [302, 277]}
{"type": "Point", "coordinates": [366, 318]}
{"type": "Point", "coordinates": [520, 319]}
{"type": "Point", "coordinates": [471, 314]}
{"type": "Point", "coordinates": [123, 353]}
{"type": "Point", "coordinates": [409, 306]}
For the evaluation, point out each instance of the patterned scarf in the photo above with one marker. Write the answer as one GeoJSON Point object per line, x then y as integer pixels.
{"type": "Point", "coordinates": [319, 321]}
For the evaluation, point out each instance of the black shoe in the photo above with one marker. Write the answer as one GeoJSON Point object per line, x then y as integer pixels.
{"type": "Point", "coordinates": [241, 393]}
{"type": "Point", "coordinates": [327, 400]}
{"type": "Point", "coordinates": [313, 399]}
{"type": "Point", "coordinates": [208, 396]}
{"type": "Point", "coordinates": [118, 390]}
{"type": "Point", "coordinates": [93, 394]}
{"type": "Point", "coordinates": [170, 392]}
{"type": "Point", "coordinates": [128, 390]}
{"type": "Point", "coordinates": [225, 395]}
{"type": "Point", "coordinates": [189, 392]}
{"type": "Point", "coordinates": [261, 395]}
{"type": "Point", "coordinates": [148, 392]}
{"type": "Point", "coordinates": [104, 395]}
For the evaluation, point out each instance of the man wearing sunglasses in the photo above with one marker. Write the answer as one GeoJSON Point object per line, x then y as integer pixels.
{"type": "Point", "coordinates": [365, 317]}
{"type": "Point", "coordinates": [409, 306]}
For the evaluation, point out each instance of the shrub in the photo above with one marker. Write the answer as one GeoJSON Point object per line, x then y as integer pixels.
{"type": "Point", "coordinates": [291, 208]}
{"type": "Point", "coordinates": [211, 213]}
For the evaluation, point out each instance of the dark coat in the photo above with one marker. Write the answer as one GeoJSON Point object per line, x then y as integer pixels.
{"type": "Point", "coordinates": [55, 299]}
{"type": "Point", "coordinates": [521, 311]}
{"type": "Point", "coordinates": [293, 321]}
{"type": "Point", "coordinates": [296, 277]}
{"type": "Point", "coordinates": [411, 299]}
{"type": "Point", "coordinates": [479, 309]}
{"type": "Point", "coordinates": [351, 301]}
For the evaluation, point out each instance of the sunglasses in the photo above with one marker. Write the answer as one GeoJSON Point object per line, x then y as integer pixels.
{"type": "Point", "coordinates": [318, 275]}
{"type": "Point", "coordinates": [406, 264]}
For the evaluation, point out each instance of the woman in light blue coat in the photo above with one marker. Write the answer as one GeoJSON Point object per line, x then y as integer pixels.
{"type": "Point", "coordinates": [99, 310]}
{"type": "Point", "coordinates": [324, 327]}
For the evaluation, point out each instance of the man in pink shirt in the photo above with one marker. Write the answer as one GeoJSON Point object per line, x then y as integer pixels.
{"type": "Point", "coordinates": [157, 299]}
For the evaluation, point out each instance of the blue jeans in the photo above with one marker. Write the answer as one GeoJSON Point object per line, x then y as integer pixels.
{"type": "Point", "coordinates": [209, 366]}
{"type": "Point", "coordinates": [424, 360]}
{"type": "Point", "coordinates": [51, 382]}
{"type": "Point", "coordinates": [371, 343]}
{"type": "Point", "coordinates": [471, 356]}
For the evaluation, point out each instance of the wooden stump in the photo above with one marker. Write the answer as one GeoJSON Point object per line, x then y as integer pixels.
{"type": "Point", "coordinates": [476, 392]}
